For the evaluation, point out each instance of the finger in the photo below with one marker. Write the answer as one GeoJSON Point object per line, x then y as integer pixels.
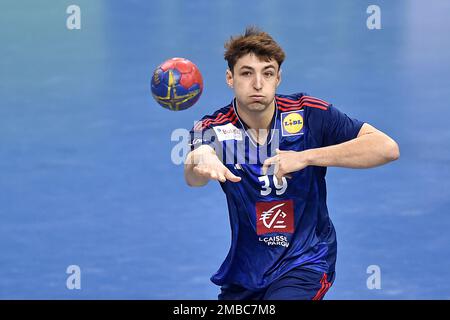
{"type": "Point", "coordinates": [276, 169]}
{"type": "Point", "coordinates": [221, 177]}
{"type": "Point", "coordinates": [230, 176]}
{"type": "Point", "coordinates": [213, 175]}
{"type": "Point", "coordinates": [279, 174]}
{"type": "Point", "coordinates": [267, 163]}
{"type": "Point", "coordinates": [199, 170]}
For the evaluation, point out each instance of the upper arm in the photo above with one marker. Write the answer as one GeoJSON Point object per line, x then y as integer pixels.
{"type": "Point", "coordinates": [333, 127]}
{"type": "Point", "coordinates": [390, 146]}
{"type": "Point", "coordinates": [366, 129]}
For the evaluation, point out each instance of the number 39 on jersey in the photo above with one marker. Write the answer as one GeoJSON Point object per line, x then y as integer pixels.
{"type": "Point", "coordinates": [269, 184]}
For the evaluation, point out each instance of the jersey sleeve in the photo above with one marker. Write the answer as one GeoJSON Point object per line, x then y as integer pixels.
{"type": "Point", "coordinates": [332, 126]}
{"type": "Point", "coordinates": [202, 134]}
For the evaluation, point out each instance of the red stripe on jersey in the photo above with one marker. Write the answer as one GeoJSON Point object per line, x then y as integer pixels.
{"type": "Point", "coordinates": [233, 116]}
{"type": "Point", "coordinates": [306, 103]}
{"type": "Point", "coordinates": [221, 120]}
{"type": "Point", "coordinates": [324, 288]}
{"type": "Point", "coordinates": [199, 126]}
{"type": "Point", "coordinates": [219, 117]}
{"type": "Point", "coordinates": [285, 100]}
{"type": "Point", "coordinates": [290, 102]}
{"type": "Point", "coordinates": [316, 99]}
{"type": "Point", "coordinates": [289, 109]}
{"type": "Point", "coordinates": [314, 106]}
{"type": "Point", "coordinates": [228, 115]}
{"type": "Point", "coordinates": [285, 105]}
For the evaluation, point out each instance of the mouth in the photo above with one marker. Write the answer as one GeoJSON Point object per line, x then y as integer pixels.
{"type": "Point", "coordinates": [257, 97]}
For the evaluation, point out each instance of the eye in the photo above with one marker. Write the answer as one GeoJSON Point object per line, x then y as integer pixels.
{"type": "Point", "coordinates": [246, 73]}
{"type": "Point", "coordinates": [269, 74]}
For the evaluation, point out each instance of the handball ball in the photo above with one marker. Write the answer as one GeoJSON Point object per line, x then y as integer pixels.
{"type": "Point", "coordinates": [177, 84]}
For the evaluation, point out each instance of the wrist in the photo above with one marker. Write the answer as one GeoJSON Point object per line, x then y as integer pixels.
{"type": "Point", "coordinates": [205, 149]}
{"type": "Point", "coordinates": [308, 157]}
{"type": "Point", "coordinates": [195, 156]}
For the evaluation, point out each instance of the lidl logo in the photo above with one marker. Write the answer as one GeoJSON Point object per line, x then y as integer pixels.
{"type": "Point", "coordinates": [292, 123]}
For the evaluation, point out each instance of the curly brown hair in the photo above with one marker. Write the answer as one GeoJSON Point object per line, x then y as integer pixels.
{"type": "Point", "coordinates": [253, 41]}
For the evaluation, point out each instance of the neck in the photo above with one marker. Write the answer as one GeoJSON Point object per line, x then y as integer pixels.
{"type": "Point", "coordinates": [258, 119]}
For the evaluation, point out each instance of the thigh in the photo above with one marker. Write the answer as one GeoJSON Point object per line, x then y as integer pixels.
{"type": "Point", "coordinates": [300, 284]}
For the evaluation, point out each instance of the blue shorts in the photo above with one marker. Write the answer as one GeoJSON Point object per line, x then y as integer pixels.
{"type": "Point", "coordinates": [297, 284]}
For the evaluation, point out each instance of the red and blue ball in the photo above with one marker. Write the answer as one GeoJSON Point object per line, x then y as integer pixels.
{"type": "Point", "coordinates": [177, 84]}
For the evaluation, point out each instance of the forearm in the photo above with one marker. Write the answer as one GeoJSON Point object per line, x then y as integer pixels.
{"type": "Point", "coordinates": [369, 150]}
{"type": "Point", "coordinates": [191, 177]}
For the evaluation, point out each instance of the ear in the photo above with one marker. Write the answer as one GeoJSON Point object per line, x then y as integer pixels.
{"type": "Point", "coordinates": [229, 78]}
{"type": "Point", "coordinates": [279, 77]}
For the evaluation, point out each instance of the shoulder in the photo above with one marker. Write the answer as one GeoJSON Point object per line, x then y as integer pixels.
{"type": "Point", "coordinates": [221, 116]}
{"type": "Point", "coordinates": [299, 101]}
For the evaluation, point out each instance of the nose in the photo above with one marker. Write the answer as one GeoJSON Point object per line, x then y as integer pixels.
{"type": "Point", "coordinates": [258, 82]}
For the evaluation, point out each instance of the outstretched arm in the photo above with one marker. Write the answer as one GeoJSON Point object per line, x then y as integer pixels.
{"type": "Point", "coordinates": [369, 149]}
{"type": "Point", "coordinates": [202, 165]}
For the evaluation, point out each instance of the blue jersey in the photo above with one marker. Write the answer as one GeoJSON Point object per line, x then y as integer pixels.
{"type": "Point", "coordinates": [276, 225]}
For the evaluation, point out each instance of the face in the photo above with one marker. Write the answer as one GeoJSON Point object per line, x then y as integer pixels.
{"type": "Point", "coordinates": [254, 82]}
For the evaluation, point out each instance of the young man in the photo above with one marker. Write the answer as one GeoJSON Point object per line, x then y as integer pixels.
{"type": "Point", "coordinates": [270, 153]}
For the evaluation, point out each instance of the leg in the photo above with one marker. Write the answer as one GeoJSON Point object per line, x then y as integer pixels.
{"type": "Point", "coordinates": [300, 284]}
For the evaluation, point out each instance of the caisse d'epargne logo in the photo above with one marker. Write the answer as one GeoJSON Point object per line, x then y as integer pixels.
{"type": "Point", "coordinates": [275, 217]}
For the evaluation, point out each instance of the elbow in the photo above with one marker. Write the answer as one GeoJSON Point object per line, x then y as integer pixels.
{"type": "Point", "coordinates": [392, 150]}
{"type": "Point", "coordinates": [196, 184]}
{"type": "Point", "coordinates": [192, 183]}
{"type": "Point", "coordinates": [187, 178]}
{"type": "Point", "coordinates": [188, 182]}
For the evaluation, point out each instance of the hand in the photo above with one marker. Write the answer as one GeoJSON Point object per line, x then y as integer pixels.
{"type": "Point", "coordinates": [210, 167]}
{"type": "Point", "coordinates": [286, 162]}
